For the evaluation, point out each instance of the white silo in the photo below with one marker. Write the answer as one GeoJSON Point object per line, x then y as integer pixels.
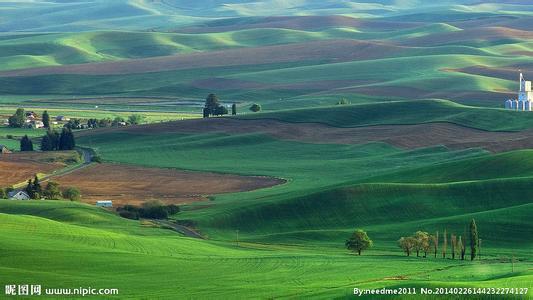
{"type": "Point", "coordinates": [514, 105]}
{"type": "Point", "coordinates": [522, 105]}
{"type": "Point", "coordinates": [509, 104]}
{"type": "Point", "coordinates": [528, 105]}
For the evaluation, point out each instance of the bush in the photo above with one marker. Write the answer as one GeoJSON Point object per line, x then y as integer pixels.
{"type": "Point", "coordinates": [72, 194]}
{"type": "Point", "coordinates": [255, 107]}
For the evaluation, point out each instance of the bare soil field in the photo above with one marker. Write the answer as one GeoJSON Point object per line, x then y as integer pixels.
{"type": "Point", "coordinates": [124, 184]}
{"type": "Point", "coordinates": [403, 136]}
{"type": "Point", "coordinates": [19, 167]}
{"type": "Point", "coordinates": [335, 50]}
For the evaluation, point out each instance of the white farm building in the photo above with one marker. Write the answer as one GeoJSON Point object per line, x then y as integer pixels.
{"type": "Point", "coordinates": [525, 97]}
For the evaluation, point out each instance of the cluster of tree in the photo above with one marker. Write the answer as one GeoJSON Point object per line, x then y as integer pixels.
{"type": "Point", "coordinates": [213, 107]}
{"type": "Point", "coordinates": [359, 241]}
{"type": "Point", "coordinates": [26, 144]}
{"type": "Point", "coordinates": [134, 119]}
{"type": "Point", "coordinates": [149, 210]}
{"type": "Point", "coordinates": [53, 141]}
{"type": "Point", "coordinates": [343, 101]}
{"type": "Point", "coordinates": [18, 120]}
{"type": "Point", "coordinates": [424, 242]}
{"type": "Point", "coordinates": [51, 191]}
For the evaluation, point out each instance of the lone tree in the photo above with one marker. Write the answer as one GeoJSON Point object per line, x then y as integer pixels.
{"type": "Point", "coordinates": [359, 241]}
{"type": "Point", "coordinates": [407, 244]}
{"type": "Point", "coordinates": [474, 239]}
{"type": "Point", "coordinates": [255, 107]}
{"type": "Point", "coordinates": [234, 109]}
{"type": "Point", "coordinates": [46, 119]}
{"type": "Point", "coordinates": [26, 144]}
{"type": "Point", "coordinates": [18, 119]}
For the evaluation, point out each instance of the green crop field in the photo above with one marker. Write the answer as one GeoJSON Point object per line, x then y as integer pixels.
{"type": "Point", "coordinates": [381, 115]}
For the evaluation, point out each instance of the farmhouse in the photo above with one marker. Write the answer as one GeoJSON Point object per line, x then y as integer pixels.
{"type": "Point", "coordinates": [525, 97]}
{"type": "Point", "coordinates": [106, 203]}
{"type": "Point", "coordinates": [18, 195]}
{"type": "Point", "coordinates": [4, 150]}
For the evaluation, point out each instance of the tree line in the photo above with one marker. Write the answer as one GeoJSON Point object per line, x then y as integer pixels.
{"type": "Point", "coordinates": [148, 210]}
{"type": "Point", "coordinates": [52, 191]}
{"type": "Point", "coordinates": [213, 107]}
{"type": "Point", "coordinates": [51, 141]}
{"type": "Point", "coordinates": [423, 242]}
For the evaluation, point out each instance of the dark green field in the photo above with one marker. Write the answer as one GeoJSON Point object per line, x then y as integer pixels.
{"type": "Point", "coordinates": [421, 142]}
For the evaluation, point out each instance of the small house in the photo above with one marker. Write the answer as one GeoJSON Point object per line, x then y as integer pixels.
{"type": "Point", "coordinates": [18, 195]}
{"type": "Point", "coordinates": [106, 203]}
{"type": "Point", "coordinates": [4, 150]}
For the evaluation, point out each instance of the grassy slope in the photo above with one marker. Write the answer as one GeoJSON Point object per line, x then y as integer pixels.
{"type": "Point", "coordinates": [405, 112]}
{"type": "Point", "coordinates": [103, 247]}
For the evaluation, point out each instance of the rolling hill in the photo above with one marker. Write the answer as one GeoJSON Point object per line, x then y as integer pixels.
{"type": "Point", "coordinates": [419, 142]}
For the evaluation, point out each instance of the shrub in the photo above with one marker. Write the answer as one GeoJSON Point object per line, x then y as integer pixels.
{"type": "Point", "coordinates": [255, 107]}
{"type": "Point", "coordinates": [72, 194]}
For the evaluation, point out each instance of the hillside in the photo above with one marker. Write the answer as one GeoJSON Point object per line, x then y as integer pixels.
{"type": "Point", "coordinates": [266, 53]}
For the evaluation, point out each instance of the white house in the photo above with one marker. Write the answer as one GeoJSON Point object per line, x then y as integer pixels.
{"type": "Point", "coordinates": [106, 203]}
{"type": "Point", "coordinates": [18, 195]}
{"type": "Point", "coordinates": [525, 97]}
{"type": "Point", "coordinates": [4, 150]}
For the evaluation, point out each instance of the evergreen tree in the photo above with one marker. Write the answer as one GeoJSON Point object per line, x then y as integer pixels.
{"type": "Point", "coordinates": [37, 190]}
{"type": "Point", "coordinates": [66, 140]}
{"type": "Point", "coordinates": [206, 112]}
{"type": "Point", "coordinates": [436, 243]}
{"type": "Point", "coordinates": [234, 109]}
{"type": "Point", "coordinates": [474, 239]}
{"type": "Point", "coordinates": [461, 248]}
{"type": "Point", "coordinates": [211, 103]}
{"type": "Point", "coordinates": [444, 244]}
{"type": "Point", "coordinates": [29, 189]}
{"type": "Point", "coordinates": [26, 144]}
{"type": "Point", "coordinates": [46, 119]}
{"type": "Point", "coordinates": [453, 241]}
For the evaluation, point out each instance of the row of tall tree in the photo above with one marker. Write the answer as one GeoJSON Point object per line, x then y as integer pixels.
{"type": "Point", "coordinates": [424, 242]}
